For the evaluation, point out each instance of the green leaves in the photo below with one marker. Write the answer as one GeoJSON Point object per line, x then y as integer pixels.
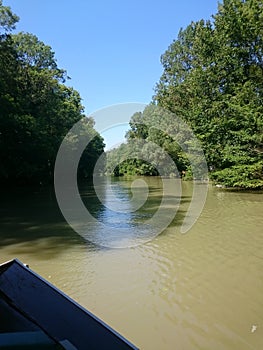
{"type": "Point", "coordinates": [35, 54]}
{"type": "Point", "coordinates": [213, 79]}
{"type": "Point", "coordinates": [7, 18]}
{"type": "Point", "coordinates": [37, 109]}
{"type": "Point", "coordinates": [241, 176]}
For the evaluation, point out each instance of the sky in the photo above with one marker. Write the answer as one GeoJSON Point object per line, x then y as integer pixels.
{"type": "Point", "coordinates": [111, 49]}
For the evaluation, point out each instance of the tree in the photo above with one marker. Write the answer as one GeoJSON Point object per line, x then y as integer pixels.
{"type": "Point", "coordinates": [213, 79]}
{"type": "Point", "coordinates": [8, 19]}
{"type": "Point", "coordinates": [37, 109]}
{"type": "Point", "coordinates": [153, 147]}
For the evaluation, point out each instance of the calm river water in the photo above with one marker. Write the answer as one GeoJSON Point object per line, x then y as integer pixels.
{"type": "Point", "coordinates": [199, 290]}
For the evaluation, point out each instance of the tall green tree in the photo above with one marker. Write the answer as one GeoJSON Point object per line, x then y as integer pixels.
{"type": "Point", "coordinates": [37, 108]}
{"type": "Point", "coordinates": [213, 79]}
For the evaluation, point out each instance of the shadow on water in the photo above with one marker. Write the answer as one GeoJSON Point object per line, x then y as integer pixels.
{"type": "Point", "coordinates": [32, 219]}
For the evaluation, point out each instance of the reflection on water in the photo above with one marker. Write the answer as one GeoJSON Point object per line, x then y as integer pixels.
{"type": "Point", "coordinates": [129, 213]}
{"type": "Point", "coordinates": [200, 290]}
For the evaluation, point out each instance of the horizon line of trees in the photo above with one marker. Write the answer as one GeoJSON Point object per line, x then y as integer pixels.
{"type": "Point", "coordinates": [212, 80]}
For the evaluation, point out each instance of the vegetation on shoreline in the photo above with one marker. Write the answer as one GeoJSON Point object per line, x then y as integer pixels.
{"type": "Point", "coordinates": [37, 109]}
{"type": "Point", "coordinates": [213, 80]}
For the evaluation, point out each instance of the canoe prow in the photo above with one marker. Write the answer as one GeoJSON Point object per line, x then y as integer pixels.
{"type": "Point", "coordinates": [29, 303]}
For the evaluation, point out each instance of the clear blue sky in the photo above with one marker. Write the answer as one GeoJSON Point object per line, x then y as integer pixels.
{"type": "Point", "coordinates": [110, 48]}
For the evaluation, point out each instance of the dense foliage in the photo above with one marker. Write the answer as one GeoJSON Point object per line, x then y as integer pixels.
{"type": "Point", "coordinates": [154, 146]}
{"type": "Point", "coordinates": [37, 108]}
{"type": "Point", "coordinates": [213, 79]}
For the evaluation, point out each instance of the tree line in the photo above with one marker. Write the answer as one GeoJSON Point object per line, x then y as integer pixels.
{"type": "Point", "coordinates": [37, 109]}
{"type": "Point", "coordinates": [213, 80]}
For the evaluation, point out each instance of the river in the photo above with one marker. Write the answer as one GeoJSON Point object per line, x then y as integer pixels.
{"type": "Point", "coordinates": [198, 290]}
